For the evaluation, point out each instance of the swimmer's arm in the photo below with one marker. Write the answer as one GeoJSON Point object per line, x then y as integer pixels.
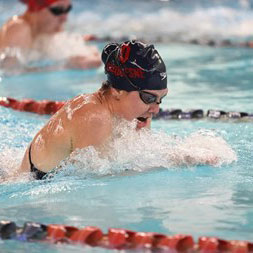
{"type": "Point", "coordinates": [73, 62]}
{"type": "Point", "coordinates": [186, 154]}
{"type": "Point", "coordinates": [12, 65]}
{"type": "Point", "coordinates": [49, 147]}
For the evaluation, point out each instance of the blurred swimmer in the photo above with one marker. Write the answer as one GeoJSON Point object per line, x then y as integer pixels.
{"type": "Point", "coordinates": [135, 86]}
{"type": "Point", "coordinates": [34, 30]}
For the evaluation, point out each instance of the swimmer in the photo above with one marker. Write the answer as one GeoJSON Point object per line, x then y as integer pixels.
{"type": "Point", "coordinates": [33, 30]}
{"type": "Point", "coordinates": [135, 87]}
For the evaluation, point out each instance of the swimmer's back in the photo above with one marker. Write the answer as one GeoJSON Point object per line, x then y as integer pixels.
{"type": "Point", "coordinates": [69, 129]}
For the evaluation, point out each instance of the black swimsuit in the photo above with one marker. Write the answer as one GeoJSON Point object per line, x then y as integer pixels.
{"type": "Point", "coordinates": [37, 173]}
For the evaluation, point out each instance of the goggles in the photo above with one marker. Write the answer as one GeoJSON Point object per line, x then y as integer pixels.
{"type": "Point", "coordinates": [59, 10]}
{"type": "Point", "coordinates": [149, 98]}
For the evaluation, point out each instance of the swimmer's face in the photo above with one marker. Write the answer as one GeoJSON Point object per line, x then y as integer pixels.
{"type": "Point", "coordinates": [136, 108]}
{"type": "Point", "coordinates": [54, 16]}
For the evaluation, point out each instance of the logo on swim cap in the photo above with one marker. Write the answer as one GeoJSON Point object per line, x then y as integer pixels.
{"type": "Point", "coordinates": [129, 72]}
{"type": "Point", "coordinates": [163, 75]}
{"type": "Point", "coordinates": [134, 65]}
{"type": "Point", "coordinates": [124, 53]}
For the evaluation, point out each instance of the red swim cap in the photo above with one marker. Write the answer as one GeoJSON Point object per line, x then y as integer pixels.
{"type": "Point", "coordinates": [37, 5]}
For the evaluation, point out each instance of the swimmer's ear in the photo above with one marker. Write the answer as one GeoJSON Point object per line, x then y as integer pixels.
{"type": "Point", "coordinates": [116, 93]}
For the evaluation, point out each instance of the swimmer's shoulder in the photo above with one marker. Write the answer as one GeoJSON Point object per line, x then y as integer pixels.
{"type": "Point", "coordinates": [85, 110]}
{"type": "Point", "coordinates": [87, 104]}
{"type": "Point", "coordinates": [91, 124]}
{"type": "Point", "coordinates": [16, 32]}
{"type": "Point", "coordinates": [18, 22]}
{"type": "Point", "coordinates": [93, 109]}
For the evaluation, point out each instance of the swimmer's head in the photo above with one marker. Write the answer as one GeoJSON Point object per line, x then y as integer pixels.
{"type": "Point", "coordinates": [133, 66]}
{"type": "Point", "coordinates": [37, 5]}
{"type": "Point", "coordinates": [50, 15]}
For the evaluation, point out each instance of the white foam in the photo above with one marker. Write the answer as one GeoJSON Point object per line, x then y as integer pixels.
{"type": "Point", "coordinates": [63, 45]}
{"type": "Point", "coordinates": [10, 160]}
{"type": "Point", "coordinates": [131, 150]}
{"type": "Point", "coordinates": [47, 49]}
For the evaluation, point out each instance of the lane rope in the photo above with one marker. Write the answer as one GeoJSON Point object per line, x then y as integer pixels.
{"type": "Point", "coordinates": [50, 107]}
{"type": "Point", "coordinates": [30, 105]}
{"type": "Point", "coordinates": [119, 239]}
{"type": "Point", "coordinates": [200, 114]}
{"type": "Point", "coordinates": [203, 42]}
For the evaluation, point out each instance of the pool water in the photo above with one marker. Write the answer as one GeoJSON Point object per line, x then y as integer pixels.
{"type": "Point", "coordinates": [144, 192]}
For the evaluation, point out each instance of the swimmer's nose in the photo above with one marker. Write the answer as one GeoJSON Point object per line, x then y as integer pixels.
{"type": "Point", "coordinates": [154, 108]}
{"type": "Point", "coordinates": [63, 18]}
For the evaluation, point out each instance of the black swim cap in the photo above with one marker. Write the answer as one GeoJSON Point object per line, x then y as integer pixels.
{"type": "Point", "coordinates": [133, 65]}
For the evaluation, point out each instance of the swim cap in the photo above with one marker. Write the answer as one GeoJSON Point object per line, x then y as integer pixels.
{"type": "Point", "coordinates": [133, 65]}
{"type": "Point", "coordinates": [37, 5]}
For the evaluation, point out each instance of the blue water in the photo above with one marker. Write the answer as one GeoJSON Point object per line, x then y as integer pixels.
{"type": "Point", "coordinates": [196, 200]}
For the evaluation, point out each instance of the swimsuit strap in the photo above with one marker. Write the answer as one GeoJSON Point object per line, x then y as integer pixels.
{"type": "Point", "coordinates": [30, 159]}
{"type": "Point", "coordinates": [38, 173]}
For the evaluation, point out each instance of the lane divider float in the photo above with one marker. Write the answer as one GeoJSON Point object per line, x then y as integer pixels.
{"type": "Point", "coordinates": [119, 239]}
{"type": "Point", "coordinates": [30, 105]}
{"type": "Point", "coordinates": [200, 114]}
{"type": "Point", "coordinates": [203, 42]}
{"type": "Point", "coordinates": [50, 107]}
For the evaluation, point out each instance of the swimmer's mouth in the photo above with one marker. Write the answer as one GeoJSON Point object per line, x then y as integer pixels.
{"type": "Point", "coordinates": [142, 119]}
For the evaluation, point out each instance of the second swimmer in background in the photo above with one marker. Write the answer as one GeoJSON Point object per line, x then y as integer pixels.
{"type": "Point", "coordinates": [35, 31]}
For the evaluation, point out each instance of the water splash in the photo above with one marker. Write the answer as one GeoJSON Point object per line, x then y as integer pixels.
{"type": "Point", "coordinates": [10, 160]}
{"type": "Point", "coordinates": [131, 150]}
{"type": "Point", "coordinates": [50, 49]}
{"type": "Point", "coordinates": [63, 45]}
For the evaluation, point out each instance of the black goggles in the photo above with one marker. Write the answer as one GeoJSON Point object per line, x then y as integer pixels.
{"type": "Point", "coordinates": [59, 10]}
{"type": "Point", "coordinates": [149, 98]}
